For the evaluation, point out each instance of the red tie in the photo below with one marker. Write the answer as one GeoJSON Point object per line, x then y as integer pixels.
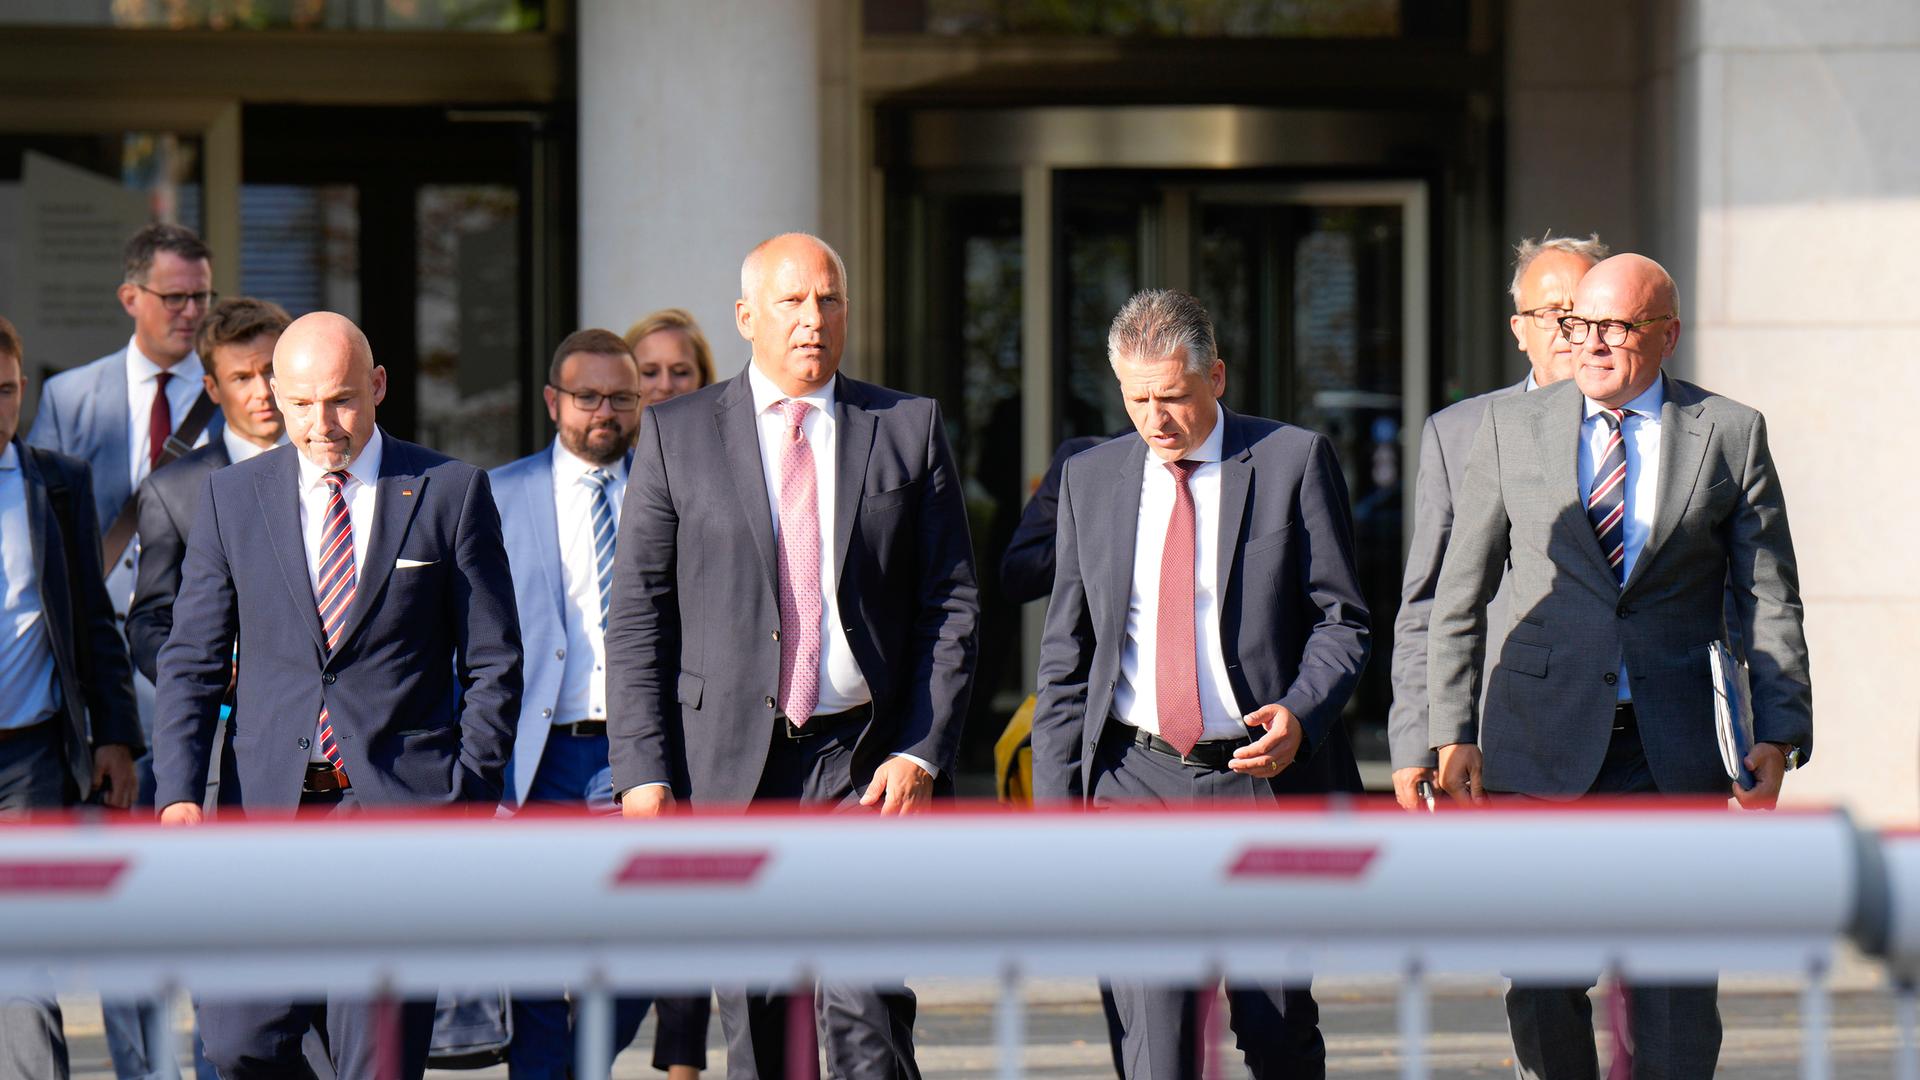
{"type": "Point", "coordinates": [1176, 672]}
{"type": "Point", "coordinates": [159, 420]}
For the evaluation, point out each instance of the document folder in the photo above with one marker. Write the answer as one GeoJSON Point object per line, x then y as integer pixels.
{"type": "Point", "coordinates": [1732, 715]}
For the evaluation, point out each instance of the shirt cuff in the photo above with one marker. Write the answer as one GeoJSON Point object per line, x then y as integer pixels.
{"type": "Point", "coordinates": [925, 765]}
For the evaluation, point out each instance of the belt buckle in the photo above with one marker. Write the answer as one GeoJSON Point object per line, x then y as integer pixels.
{"type": "Point", "coordinates": [793, 731]}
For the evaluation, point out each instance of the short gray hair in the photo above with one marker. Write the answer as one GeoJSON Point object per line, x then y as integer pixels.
{"type": "Point", "coordinates": [1153, 323]}
{"type": "Point", "coordinates": [1592, 249]}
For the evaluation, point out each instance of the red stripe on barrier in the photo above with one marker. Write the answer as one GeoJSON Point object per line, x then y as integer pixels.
{"type": "Point", "coordinates": [691, 868]}
{"type": "Point", "coordinates": [62, 876]}
{"type": "Point", "coordinates": [1292, 862]}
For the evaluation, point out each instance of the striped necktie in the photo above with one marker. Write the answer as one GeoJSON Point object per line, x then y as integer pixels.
{"type": "Point", "coordinates": [1607, 505]}
{"type": "Point", "coordinates": [334, 594]}
{"type": "Point", "coordinates": [603, 537]}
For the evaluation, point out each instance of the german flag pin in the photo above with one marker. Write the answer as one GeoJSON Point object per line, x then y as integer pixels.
{"type": "Point", "coordinates": [406, 491]}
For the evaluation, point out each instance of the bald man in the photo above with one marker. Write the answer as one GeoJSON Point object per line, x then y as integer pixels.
{"type": "Point", "coordinates": [1638, 520]}
{"type": "Point", "coordinates": [379, 653]}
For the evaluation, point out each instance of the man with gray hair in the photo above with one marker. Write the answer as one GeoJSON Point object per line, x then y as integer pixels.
{"type": "Point", "coordinates": [1545, 273]}
{"type": "Point", "coordinates": [1219, 550]}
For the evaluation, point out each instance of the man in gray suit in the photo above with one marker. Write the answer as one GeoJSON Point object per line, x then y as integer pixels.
{"type": "Point", "coordinates": [1636, 510]}
{"type": "Point", "coordinates": [794, 611]}
{"type": "Point", "coordinates": [1545, 272]}
{"type": "Point", "coordinates": [1205, 631]}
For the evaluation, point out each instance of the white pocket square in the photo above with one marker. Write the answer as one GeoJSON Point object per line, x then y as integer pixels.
{"type": "Point", "coordinates": [408, 564]}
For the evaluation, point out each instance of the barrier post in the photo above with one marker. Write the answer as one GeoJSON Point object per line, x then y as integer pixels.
{"type": "Point", "coordinates": [1010, 1023]}
{"type": "Point", "coordinates": [593, 1029]}
{"type": "Point", "coordinates": [1413, 1023]}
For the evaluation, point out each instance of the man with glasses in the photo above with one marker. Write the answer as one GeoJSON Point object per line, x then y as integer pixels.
{"type": "Point", "coordinates": [116, 414]}
{"type": "Point", "coordinates": [1545, 273]}
{"type": "Point", "coordinates": [1638, 521]}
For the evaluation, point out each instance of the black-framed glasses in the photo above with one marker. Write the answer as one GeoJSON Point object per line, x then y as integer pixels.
{"type": "Point", "coordinates": [1612, 331]}
{"type": "Point", "coordinates": [589, 400]}
{"type": "Point", "coordinates": [176, 302]}
{"type": "Point", "coordinates": [1546, 318]}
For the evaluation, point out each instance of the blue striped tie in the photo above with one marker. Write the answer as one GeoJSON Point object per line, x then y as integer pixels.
{"type": "Point", "coordinates": [603, 535]}
{"type": "Point", "coordinates": [1607, 505]}
{"type": "Point", "coordinates": [335, 592]}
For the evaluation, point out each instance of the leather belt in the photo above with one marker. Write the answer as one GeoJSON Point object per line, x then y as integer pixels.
{"type": "Point", "coordinates": [583, 729]}
{"type": "Point", "coordinates": [35, 728]}
{"type": "Point", "coordinates": [323, 778]}
{"type": "Point", "coordinates": [859, 714]}
{"type": "Point", "coordinates": [1212, 754]}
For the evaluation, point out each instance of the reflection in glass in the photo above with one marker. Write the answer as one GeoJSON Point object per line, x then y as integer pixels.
{"type": "Point", "coordinates": [300, 246]}
{"type": "Point", "coordinates": [475, 16]}
{"type": "Point", "coordinates": [468, 309]}
{"type": "Point", "coordinates": [1138, 18]}
{"type": "Point", "coordinates": [1100, 253]}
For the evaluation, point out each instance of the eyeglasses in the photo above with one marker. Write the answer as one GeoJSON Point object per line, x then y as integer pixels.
{"type": "Point", "coordinates": [176, 302]}
{"type": "Point", "coordinates": [1612, 331]}
{"type": "Point", "coordinates": [1546, 318]}
{"type": "Point", "coordinates": [589, 400]}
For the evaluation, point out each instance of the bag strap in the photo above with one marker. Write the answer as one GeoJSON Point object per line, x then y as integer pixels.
{"type": "Point", "coordinates": [120, 534]}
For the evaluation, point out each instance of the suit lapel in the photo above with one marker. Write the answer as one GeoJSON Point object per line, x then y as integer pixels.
{"type": "Point", "coordinates": [1558, 432]}
{"type": "Point", "coordinates": [107, 416]}
{"type": "Point", "coordinates": [1683, 449]}
{"type": "Point", "coordinates": [855, 442]}
{"type": "Point", "coordinates": [539, 507]}
{"type": "Point", "coordinates": [278, 489]}
{"type": "Point", "coordinates": [401, 489]}
{"type": "Point", "coordinates": [740, 444]}
{"type": "Point", "coordinates": [39, 510]}
{"type": "Point", "coordinates": [1122, 526]}
{"type": "Point", "coordinates": [1236, 480]}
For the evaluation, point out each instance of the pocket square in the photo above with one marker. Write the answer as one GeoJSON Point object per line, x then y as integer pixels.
{"type": "Point", "coordinates": [408, 564]}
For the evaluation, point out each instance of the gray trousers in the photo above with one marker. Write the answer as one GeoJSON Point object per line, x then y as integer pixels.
{"type": "Point", "coordinates": [1676, 1028]}
{"type": "Point", "coordinates": [33, 776]}
{"type": "Point", "coordinates": [867, 1030]}
{"type": "Point", "coordinates": [1276, 1028]}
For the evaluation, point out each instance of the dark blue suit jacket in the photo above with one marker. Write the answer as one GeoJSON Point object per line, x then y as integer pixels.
{"type": "Point", "coordinates": [1026, 569]}
{"type": "Point", "coordinates": [1293, 622]}
{"type": "Point", "coordinates": [424, 689]}
{"type": "Point", "coordinates": [693, 653]}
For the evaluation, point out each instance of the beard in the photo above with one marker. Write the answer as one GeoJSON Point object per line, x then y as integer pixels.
{"type": "Point", "coordinates": [599, 444]}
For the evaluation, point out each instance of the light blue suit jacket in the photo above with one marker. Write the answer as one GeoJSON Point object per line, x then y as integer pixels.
{"type": "Point", "coordinates": [523, 490]}
{"type": "Point", "coordinates": [83, 413]}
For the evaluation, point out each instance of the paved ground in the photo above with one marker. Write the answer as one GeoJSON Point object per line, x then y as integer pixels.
{"type": "Point", "coordinates": [1066, 1040]}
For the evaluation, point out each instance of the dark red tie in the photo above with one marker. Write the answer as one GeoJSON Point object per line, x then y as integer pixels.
{"type": "Point", "coordinates": [1176, 672]}
{"type": "Point", "coordinates": [159, 420]}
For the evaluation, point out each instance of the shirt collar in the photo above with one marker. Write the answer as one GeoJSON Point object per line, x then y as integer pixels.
{"type": "Point", "coordinates": [10, 458]}
{"type": "Point", "coordinates": [365, 468]}
{"type": "Point", "coordinates": [766, 395]}
{"type": "Point", "coordinates": [1531, 384]}
{"type": "Point", "coordinates": [141, 369]}
{"type": "Point", "coordinates": [241, 449]}
{"type": "Point", "coordinates": [569, 467]}
{"type": "Point", "coordinates": [1647, 404]}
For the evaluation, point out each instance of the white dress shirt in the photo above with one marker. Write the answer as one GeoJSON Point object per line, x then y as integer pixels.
{"type": "Point", "coordinates": [28, 692]}
{"type": "Point", "coordinates": [1136, 696]}
{"type": "Point", "coordinates": [240, 449]}
{"type": "Point", "coordinates": [1640, 432]}
{"type": "Point", "coordinates": [361, 491]}
{"type": "Point", "coordinates": [842, 686]}
{"type": "Point", "coordinates": [182, 389]}
{"type": "Point", "coordinates": [583, 679]}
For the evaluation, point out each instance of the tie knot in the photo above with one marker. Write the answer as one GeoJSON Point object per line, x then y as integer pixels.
{"type": "Point", "coordinates": [336, 482]}
{"type": "Point", "coordinates": [598, 478]}
{"type": "Point", "coordinates": [1183, 469]}
{"type": "Point", "coordinates": [795, 412]}
{"type": "Point", "coordinates": [1613, 418]}
{"type": "Point", "coordinates": [160, 380]}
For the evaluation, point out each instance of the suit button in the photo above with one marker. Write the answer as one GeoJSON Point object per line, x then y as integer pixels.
{"type": "Point", "coordinates": [1609, 678]}
{"type": "Point", "coordinates": [305, 743]}
{"type": "Point", "coordinates": [1623, 611]}
{"type": "Point", "coordinates": [546, 714]}
{"type": "Point", "coordinates": [770, 703]}
{"type": "Point", "coordinates": [559, 654]}
{"type": "Point", "coordinates": [776, 635]}
{"type": "Point", "coordinates": [329, 678]}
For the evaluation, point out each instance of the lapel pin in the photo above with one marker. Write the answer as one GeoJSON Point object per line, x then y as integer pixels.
{"type": "Point", "coordinates": [406, 491]}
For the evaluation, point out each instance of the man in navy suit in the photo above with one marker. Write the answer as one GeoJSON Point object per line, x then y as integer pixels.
{"type": "Point", "coordinates": [116, 414]}
{"type": "Point", "coordinates": [379, 658]}
{"type": "Point", "coordinates": [794, 611]}
{"type": "Point", "coordinates": [1205, 631]}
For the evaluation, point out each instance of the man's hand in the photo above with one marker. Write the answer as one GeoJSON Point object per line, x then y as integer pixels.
{"type": "Point", "coordinates": [1460, 774]}
{"type": "Point", "coordinates": [1769, 767]}
{"type": "Point", "coordinates": [180, 813]}
{"type": "Point", "coordinates": [906, 788]}
{"type": "Point", "coordinates": [113, 774]}
{"type": "Point", "coordinates": [647, 801]}
{"type": "Point", "coordinates": [1265, 756]}
{"type": "Point", "coordinates": [1406, 786]}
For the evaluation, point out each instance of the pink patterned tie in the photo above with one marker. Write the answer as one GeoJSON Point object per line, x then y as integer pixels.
{"type": "Point", "coordinates": [1176, 667]}
{"type": "Point", "coordinates": [801, 601]}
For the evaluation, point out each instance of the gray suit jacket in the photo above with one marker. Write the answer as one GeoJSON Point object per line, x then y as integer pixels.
{"type": "Point", "coordinates": [83, 413]}
{"type": "Point", "coordinates": [1293, 622]}
{"type": "Point", "coordinates": [693, 649]}
{"type": "Point", "coordinates": [1720, 525]}
{"type": "Point", "coordinates": [1444, 444]}
{"type": "Point", "coordinates": [167, 501]}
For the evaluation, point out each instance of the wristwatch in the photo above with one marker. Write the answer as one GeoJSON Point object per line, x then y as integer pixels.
{"type": "Point", "coordinates": [1790, 752]}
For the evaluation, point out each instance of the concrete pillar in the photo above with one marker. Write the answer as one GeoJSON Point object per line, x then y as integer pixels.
{"type": "Point", "coordinates": [1793, 194]}
{"type": "Point", "coordinates": [700, 135]}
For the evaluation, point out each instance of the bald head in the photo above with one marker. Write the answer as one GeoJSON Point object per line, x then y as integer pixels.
{"type": "Point", "coordinates": [1634, 290]}
{"type": "Point", "coordinates": [328, 386]}
{"type": "Point", "coordinates": [793, 308]}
